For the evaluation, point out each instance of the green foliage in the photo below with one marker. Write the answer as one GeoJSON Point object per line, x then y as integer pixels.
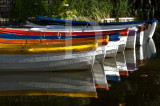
{"type": "Point", "coordinates": [122, 8]}
{"type": "Point", "coordinates": [88, 10]}
{"type": "Point", "coordinates": [57, 9]}
{"type": "Point", "coordinates": [94, 9]}
{"type": "Point", "coordinates": [22, 9]}
{"type": "Point", "coordinates": [147, 9]}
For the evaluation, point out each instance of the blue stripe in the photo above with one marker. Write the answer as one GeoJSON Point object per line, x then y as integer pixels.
{"type": "Point", "coordinates": [113, 37]}
{"type": "Point", "coordinates": [154, 55]}
{"type": "Point", "coordinates": [85, 22]}
{"type": "Point", "coordinates": [63, 20]}
{"type": "Point", "coordinates": [113, 78]}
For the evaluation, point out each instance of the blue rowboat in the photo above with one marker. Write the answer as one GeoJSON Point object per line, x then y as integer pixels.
{"type": "Point", "coordinates": [63, 21]}
{"type": "Point", "coordinates": [149, 31]}
{"type": "Point", "coordinates": [113, 37]}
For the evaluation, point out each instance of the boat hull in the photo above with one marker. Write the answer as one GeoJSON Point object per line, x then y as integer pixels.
{"type": "Point", "coordinates": [131, 40]}
{"type": "Point", "coordinates": [47, 62]}
{"type": "Point", "coordinates": [122, 43]}
{"type": "Point", "coordinates": [112, 48]}
{"type": "Point", "coordinates": [152, 29]}
{"type": "Point", "coordinates": [141, 34]}
{"type": "Point", "coordinates": [101, 53]}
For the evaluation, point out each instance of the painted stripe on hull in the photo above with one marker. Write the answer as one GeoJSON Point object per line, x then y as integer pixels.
{"type": "Point", "coordinates": [50, 32]}
{"type": "Point", "coordinates": [40, 50]}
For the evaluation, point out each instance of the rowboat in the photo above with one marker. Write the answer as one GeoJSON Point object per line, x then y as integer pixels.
{"type": "Point", "coordinates": [95, 29]}
{"type": "Point", "coordinates": [69, 84]}
{"type": "Point", "coordinates": [150, 24]}
{"type": "Point", "coordinates": [126, 40]}
{"type": "Point", "coordinates": [37, 33]}
{"type": "Point", "coordinates": [61, 34]}
{"type": "Point", "coordinates": [14, 35]}
{"type": "Point", "coordinates": [99, 76]}
{"type": "Point", "coordinates": [121, 43]}
{"type": "Point", "coordinates": [51, 21]}
{"type": "Point", "coordinates": [47, 57]}
{"type": "Point", "coordinates": [100, 52]}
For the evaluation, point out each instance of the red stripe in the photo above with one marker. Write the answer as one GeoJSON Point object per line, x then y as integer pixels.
{"type": "Point", "coordinates": [123, 32]}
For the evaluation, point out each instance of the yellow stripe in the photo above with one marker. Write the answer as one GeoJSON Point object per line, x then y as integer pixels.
{"type": "Point", "coordinates": [44, 45]}
{"type": "Point", "coordinates": [107, 38]}
{"type": "Point", "coordinates": [41, 92]}
{"type": "Point", "coordinates": [78, 48]}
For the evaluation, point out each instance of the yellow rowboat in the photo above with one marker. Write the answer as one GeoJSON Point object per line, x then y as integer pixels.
{"type": "Point", "coordinates": [70, 84]}
{"type": "Point", "coordinates": [47, 48]}
{"type": "Point", "coordinates": [101, 40]}
{"type": "Point", "coordinates": [16, 43]}
{"type": "Point", "coordinates": [47, 57]}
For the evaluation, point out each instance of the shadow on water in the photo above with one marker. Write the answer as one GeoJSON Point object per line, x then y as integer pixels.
{"type": "Point", "coordinates": [130, 79]}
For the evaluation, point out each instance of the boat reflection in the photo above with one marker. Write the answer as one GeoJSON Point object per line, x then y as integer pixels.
{"type": "Point", "coordinates": [72, 84]}
{"type": "Point", "coordinates": [99, 76]}
{"type": "Point", "coordinates": [145, 52]}
{"type": "Point", "coordinates": [152, 48]}
{"type": "Point", "coordinates": [111, 70]}
{"type": "Point", "coordinates": [131, 60]}
{"type": "Point", "coordinates": [121, 64]}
